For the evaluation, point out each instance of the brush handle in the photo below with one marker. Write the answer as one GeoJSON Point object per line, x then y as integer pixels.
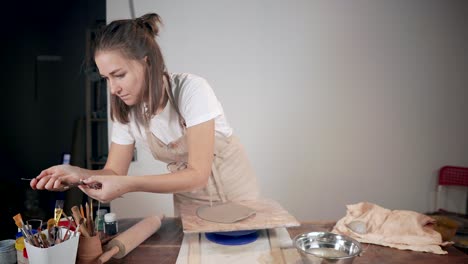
{"type": "Point", "coordinates": [79, 220]}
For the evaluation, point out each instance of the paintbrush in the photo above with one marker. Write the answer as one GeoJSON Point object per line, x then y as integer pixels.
{"type": "Point", "coordinates": [51, 231]}
{"type": "Point", "coordinates": [88, 220]}
{"type": "Point", "coordinates": [65, 237]}
{"type": "Point", "coordinates": [58, 211]}
{"type": "Point", "coordinates": [80, 221]}
{"type": "Point", "coordinates": [92, 217]}
{"type": "Point", "coordinates": [72, 221]}
{"type": "Point", "coordinates": [82, 211]}
{"type": "Point", "coordinates": [20, 225]}
{"type": "Point", "coordinates": [43, 242]}
{"type": "Point", "coordinates": [30, 238]}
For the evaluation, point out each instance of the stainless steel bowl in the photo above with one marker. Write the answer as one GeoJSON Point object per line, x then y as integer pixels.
{"type": "Point", "coordinates": [326, 247]}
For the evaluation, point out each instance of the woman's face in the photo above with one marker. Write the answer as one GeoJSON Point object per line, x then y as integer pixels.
{"type": "Point", "coordinates": [125, 78]}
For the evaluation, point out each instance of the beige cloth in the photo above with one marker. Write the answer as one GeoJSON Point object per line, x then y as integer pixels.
{"type": "Point", "coordinates": [232, 177]}
{"type": "Point", "coordinates": [399, 229]}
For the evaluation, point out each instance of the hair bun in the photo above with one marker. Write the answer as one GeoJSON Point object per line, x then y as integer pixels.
{"type": "Point", "coordinates": [150, 21]}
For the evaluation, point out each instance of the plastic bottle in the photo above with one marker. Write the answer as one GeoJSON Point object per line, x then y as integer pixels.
{"type": "Point", "coordinates": [100, 219]}
{"type": "Point", "coordinates": [110, 224]}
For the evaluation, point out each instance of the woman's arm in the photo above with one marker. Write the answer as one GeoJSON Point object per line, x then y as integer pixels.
{"type": "Point", "coordinates": [56, 178]}
{"type": "Point", "coordinates": [200, 143]}
{"type": "Point", "coordinates": [118, 160]}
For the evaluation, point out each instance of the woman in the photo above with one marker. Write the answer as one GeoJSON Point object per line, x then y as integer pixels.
{"type": "Point", "coordinates": [177, 116]}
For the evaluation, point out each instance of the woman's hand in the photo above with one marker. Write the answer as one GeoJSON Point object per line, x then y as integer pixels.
{"type": "Point", "coordinates": [57, 178]}
{"type": "Point", "coordinates": [111, 187]}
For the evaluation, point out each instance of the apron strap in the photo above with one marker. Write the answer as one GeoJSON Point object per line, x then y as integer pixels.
{"type": "Point", "coordinates": [152, 143]}
{"type": "Point", "coordinates": [173, 101]}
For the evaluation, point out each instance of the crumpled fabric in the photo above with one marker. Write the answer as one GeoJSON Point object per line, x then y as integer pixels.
{"type": "Point", "coordinates": [369, 223]}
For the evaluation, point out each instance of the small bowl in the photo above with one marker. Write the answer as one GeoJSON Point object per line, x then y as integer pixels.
{"type": "Point", "coordinates": [326, 247]}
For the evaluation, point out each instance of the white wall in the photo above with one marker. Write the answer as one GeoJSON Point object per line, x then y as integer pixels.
{"type": "Point", "coordinates": [336, 102]}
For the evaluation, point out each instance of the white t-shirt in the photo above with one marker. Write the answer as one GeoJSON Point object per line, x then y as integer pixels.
{"type": "Point", "coordinates": [197, 104]}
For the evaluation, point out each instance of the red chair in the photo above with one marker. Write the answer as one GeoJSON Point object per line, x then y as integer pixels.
{"type": "Point", "coordinates": [454, 176]}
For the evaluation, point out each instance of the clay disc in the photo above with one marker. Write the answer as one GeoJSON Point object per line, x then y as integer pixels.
{"type": "Point", "coordinates": [224, 212]}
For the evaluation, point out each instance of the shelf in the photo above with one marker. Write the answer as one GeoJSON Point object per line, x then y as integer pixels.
{"type": "Point", "coordinates": [97, 144]}
{"type": "Point", "coordinates": [98, 119]}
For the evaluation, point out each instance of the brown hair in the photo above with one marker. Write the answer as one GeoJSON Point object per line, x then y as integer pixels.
{"type": "Point", "coordinates": [135, 39]}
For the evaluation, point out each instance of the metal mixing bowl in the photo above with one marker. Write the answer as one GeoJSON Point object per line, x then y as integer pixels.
{"type": "Point", "coordinates": [326, 247]}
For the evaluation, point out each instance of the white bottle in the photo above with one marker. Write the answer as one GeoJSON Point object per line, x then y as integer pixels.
{"type": "Point", "coordinates": [110, 224]}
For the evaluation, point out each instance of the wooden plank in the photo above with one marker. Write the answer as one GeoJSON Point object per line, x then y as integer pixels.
{"type": "Point", "coordinates": [280, 239]}
{"type": "Point", "coordinates": [275, 247]}
{"type": "Point", "coordinates": [213, 253]}
{"type": "Point", "coordinates": [194, 254]}
{"type": "Point", "coordinates": [269, 214]}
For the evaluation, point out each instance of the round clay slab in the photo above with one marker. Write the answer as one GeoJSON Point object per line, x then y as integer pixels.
{"type": "Point", "coordinates": [224, 213]}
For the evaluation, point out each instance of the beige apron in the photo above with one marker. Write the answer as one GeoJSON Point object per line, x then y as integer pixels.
{"type": "Point", "coordinates": [232, 177]}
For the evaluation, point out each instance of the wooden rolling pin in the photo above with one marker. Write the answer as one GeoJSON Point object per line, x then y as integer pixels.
{"type": "Point", "coordinates": [128, 240]}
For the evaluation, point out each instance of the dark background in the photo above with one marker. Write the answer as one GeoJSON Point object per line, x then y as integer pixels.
{"type": "Point", "coordinates": [42, 102]}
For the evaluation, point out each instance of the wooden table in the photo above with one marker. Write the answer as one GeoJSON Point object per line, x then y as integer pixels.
{"type": "Point", "coordinates": [164, 245]}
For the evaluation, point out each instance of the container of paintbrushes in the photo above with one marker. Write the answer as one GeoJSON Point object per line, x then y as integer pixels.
{"type": "Point", "coordinates": [90, 247]}
{"type": "Point", "coordinates": [64, 250]}
{"type": "Point", "coordinates": [52, 245]}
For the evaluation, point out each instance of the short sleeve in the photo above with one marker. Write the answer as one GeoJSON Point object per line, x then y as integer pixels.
{"type": "Point", "coordinates": [198, 102]}
{"type": "Point", "coordinates": [121, 134]}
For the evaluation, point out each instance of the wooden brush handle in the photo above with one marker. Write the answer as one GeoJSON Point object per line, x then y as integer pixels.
{"type": "Point", "coordinates": [76, 214]}
{"type": "Point", "coordinates": [79, 220]}
{"type": "Point", "coordinates": [84, 230]}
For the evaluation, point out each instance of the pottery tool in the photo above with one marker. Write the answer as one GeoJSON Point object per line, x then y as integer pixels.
{"type": "Point", "coordinates": [95, 186]}
{"type": "Point", "coordinates": [66, 186]}
{"type": "Point", "coordinates": [128, 240]}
